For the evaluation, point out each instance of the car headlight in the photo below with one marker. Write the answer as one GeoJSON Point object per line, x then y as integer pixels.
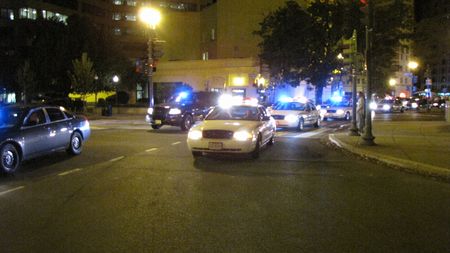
{"type": "Point", "coordinates": [373, 105]}
{"type": "Point", "coordinates": [195, 135]}
{"type": "Point", "coordinates": [340, 111]}
{"type": "Point", "coordinates": [174, 111]}
{"type": "Point", "coordinates": [386, 107]}
{"type": "Point", "coordinates": [150, 110]}
{"type": "Point", "coordinates": [242, 135]}
{"type": "Point", "coordinates": [291, 118]}
{"type": "Point", "coordinates": [414, 105]}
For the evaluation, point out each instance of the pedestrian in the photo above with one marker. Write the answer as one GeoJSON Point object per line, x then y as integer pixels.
{"type": "Point", "coordinates": [360, 111]}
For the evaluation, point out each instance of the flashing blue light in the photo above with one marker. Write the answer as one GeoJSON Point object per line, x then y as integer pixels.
{"type": "Point", "coordinates": [336, 99]}
{"type": "Point", "coordinates": [285, 99]}
{"type": "Point", "coordinates": [182, 95]}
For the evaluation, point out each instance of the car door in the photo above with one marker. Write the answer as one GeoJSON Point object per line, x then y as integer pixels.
{"type": "Point", "coordinates": [266, 127]}
{"type": "Point", "coordinates": [59, 128]}
{"type": "Point", "coordinates": [35, 134]}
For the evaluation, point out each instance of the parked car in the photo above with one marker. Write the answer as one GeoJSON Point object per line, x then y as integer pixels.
{"type": "Point", "coordinates": [237, 129]}
{"type": "Point", "coordinates": [183, 110]}
{"type": "Point", "coordinates": [390, 105]}
{"type": "Point", "coordinates": [296, 115]}
{"type": "Point", "coordinates": [30, 131]}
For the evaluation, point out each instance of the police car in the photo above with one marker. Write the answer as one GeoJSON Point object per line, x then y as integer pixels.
{"type": "Point", "coordinates": [295, 113]}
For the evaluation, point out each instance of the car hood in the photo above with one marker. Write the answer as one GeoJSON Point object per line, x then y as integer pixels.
{"type": "Point", "coordinates": [229, 125]}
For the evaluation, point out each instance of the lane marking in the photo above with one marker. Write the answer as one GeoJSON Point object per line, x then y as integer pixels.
{"type": "Point", "coordinates": [150, 150]}
{"type": "Point", "coordinates": [176, 143]}
{"type": "Point", "coordinates": [11, 190]}
{"type": "Point", "coordinates": [69, 172]}
{"type": "Point", "coordinates": [117, 159]}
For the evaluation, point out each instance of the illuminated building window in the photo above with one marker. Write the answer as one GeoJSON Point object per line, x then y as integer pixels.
{"type": "Point", "coordinates": [117, 31]}
{"type": "Point", "coordinates": [205, 56]}
{"type": "Point", "coordinates": [117, 2]}
{"type": "Point", "coordinates": [7, 14]}
{"type": "Point", "coordinates": [131, 2]}
{"type": "Point", "coordinates": [213, 34]}
{"type": "Point", "coordinates": [130, 17]}
{"type": "Point", "coordinates": [116, 16]}
{"type": "Point", "coordinates": [28, 13]}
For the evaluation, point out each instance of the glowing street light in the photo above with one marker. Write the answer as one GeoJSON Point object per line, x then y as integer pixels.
{"type": "Point", "coordinates": [151, 17]}
{"type": "Point", "coordinates": [392, 82]}
{"type": "Point", "coordinates": [413, 65]}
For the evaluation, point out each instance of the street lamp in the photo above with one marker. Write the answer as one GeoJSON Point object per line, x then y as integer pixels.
{"type": "Point", "coordinates": [413, 65]}
{"type": "Point", "coordinates": [151, 17]}
{"type": "Point", "coordinates": [116, 80]}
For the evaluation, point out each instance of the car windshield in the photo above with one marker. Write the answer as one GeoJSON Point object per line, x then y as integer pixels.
{"type": "Point", "coordinates": [234, 113]}
{"type": "Point", "coordinates": [10, 117]}
{"type": "Point", "coordinates": [291, 106]}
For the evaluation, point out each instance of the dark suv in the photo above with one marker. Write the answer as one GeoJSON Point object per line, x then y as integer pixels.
{"type": "Point", "coordinates": [182, 110]}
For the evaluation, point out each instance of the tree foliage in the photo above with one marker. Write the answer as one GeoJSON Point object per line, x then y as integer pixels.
{"type": "Point", "coordinates": [83, 75]}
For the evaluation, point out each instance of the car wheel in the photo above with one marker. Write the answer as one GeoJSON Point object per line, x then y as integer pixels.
{"type": "Point", "coordinates": [156, 126]}
{"type": "Point", "coordinates": [272, 140]}
{"type": "Point", "coordinates": [257, 150]}
{"type": "Point", "coordinates": [347, 116]}
{"type": "Point", "coordinates": [76, 144]}
{"type": "Point", "coordinates": [402, 110]}
{"type": "Point", "coordinates": [10, 158]}
{"type": "Point", "coordinates": [301, 125]}
{"type": "Point", "coordinates": [186, 123]}
{"type": "Point", "coordinates": [317, 124]}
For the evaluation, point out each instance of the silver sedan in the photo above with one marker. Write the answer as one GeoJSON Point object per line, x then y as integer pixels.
{"type": "Point", "coordinates": [31, 131]}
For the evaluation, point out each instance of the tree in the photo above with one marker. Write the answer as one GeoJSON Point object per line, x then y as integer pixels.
{"type": "Point", "coordinates": [83, 76]}
{"type": "Point", "coordinates": [26, 80]}
{"type": "Point", "coordinates": [298, 45]}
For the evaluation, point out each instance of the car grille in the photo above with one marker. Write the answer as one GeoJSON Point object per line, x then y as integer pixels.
{"type": "Point", "coordinates": [278, 116]}
{"type": "Point", "coordinates": [160, 112]}
{"type": "Point", "coordinates": [217, 134]}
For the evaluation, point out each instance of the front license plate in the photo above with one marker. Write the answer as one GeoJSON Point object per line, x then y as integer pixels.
{"type": "Point", "coordinates": [215, 145]}
{"type": "Point", "coordinates": [158, 122]}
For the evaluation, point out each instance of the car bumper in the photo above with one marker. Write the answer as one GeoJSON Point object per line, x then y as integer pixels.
{"type": "Point", "coordinates": [173, 120]}
{"type": "Point", "coordinates": [221, 145]}
{"type": "Point", "coordinates": [285, 123]}
{"type": "Point", "coordinates": [330, 115]}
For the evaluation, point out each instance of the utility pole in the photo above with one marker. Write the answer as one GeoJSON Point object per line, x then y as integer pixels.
{"type": "Point", "coordinates": [367, 137]}
{"type": "Point", "coordinates": [354, 129]}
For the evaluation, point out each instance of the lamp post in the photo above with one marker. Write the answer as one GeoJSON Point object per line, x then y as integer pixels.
{"type": "Point", "coordinates": [116, 80]}
{"type": "Point", "coordinates": [151, 17]}
{"type": "Point", "coordinates": [412, 66]}
{"type": "Point", "coordinates": [392, 83]}
{"type": "Point", "coordinates": [367, 137]}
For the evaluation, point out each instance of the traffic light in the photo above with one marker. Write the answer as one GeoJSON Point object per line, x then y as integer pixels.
{"type": "Point", "coordinates": [157, 48]}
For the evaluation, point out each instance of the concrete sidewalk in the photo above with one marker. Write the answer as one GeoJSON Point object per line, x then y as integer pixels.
{"type": "Point", "coordinates": [419, 146]}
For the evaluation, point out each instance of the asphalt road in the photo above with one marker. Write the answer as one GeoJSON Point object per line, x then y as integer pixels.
{"type": "Point", "coordinates": [139, 190]}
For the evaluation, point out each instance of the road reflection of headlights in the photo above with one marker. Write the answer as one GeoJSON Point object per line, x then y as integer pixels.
{"type": "Point", "coordinates": [242, 135]}
{"type": "Point", "coordinates": [386, 107]}
{"type": "Point", "coordinates": [150, 110]}
{"type": "Point", "coordinates": [174, 111]}
{"type": "Point", "coordinates": [340, 111]}
{"type": "Point", "coordinates": [373, 105]}
{"type": "Point", "coordinates": [195, 134]}
{"type": "Point", "coordinates": [290, 118]}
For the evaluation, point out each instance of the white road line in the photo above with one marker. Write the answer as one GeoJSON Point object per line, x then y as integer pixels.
{"type": "Point", "coordinates": [69, 172]}
{"type": "Point", "coordinates": [176, 143]}
{"type": "Point", "coordinates": [11, 190]}
{"type": "Point", "coordinates": [310, 134]}
{"type": "Point", "coordinates": [117, 159]}
{"type": "Point", "coordinates": [150, 150]}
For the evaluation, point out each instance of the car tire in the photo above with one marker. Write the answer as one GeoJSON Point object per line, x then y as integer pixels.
{"type": "Point", "coordinates": [76, 144]}
{"type": "Point", "coordinates": [347, 116]}
{"type": "Point", "coordinates": [156, 127]}
{"type": "Point", "coordinates": [10, 158]}
{"type": "Point", "coordinates": [317, 124]}
{"type": "Point", "coordinates": [257, 150]}
{"type": "Point", "coordinates": [402, 110]}
{"type": "Point", "coordinates": [301, 125]}
{"type": "Point", "coordinates": [186, 123]}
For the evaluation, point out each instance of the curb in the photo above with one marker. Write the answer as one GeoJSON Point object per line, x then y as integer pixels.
{"type": "Point", "coordinates": [421, 168]}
